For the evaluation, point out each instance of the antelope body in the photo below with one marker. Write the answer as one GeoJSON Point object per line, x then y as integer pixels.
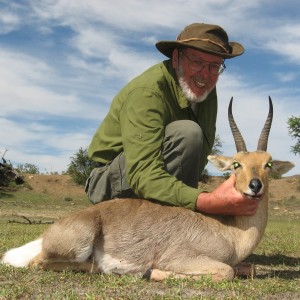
{"type": "Point", "coordinates": [135, 236]}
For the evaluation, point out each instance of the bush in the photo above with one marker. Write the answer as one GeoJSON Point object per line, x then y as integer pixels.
{"type": "Point", "coordinates": [81, 166]}
{"type": "Point", "coordinates": [8, 174]}
{"type": "Point", "coordinates": [205, 176]}
{"type": "Point", "coordinates": [294, 132]}
{"type": "Point", "coordinates": [28, 169]}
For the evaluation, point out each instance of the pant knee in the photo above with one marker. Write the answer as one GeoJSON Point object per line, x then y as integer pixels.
{"type": "Point", "coordinates": [185, 134]}
{"type": "Point", "coordinates": [182, 150]}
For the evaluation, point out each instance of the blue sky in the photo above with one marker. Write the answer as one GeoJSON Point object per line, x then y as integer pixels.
{"type": "Point", "coordinates": [62, 62]}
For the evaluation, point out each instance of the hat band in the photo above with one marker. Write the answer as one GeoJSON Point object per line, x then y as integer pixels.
{"type": "Point", "coordinates": [204, 40]}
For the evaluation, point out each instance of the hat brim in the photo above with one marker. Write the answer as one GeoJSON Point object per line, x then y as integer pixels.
{"type": "Point", "coordinates": [167, 47]}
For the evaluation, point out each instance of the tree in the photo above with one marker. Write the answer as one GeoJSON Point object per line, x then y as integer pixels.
{"type": "Point", "coordinates": [294, 132]}
{"type": "Point", "coordinates": [216, 150]}
{"type": "Point", "coordinates": [28, 168]}
{"type": "Point", "coordinates": [218, 143]}
{"type": "Point", "coordinates": [8, 173]}
{"type": "Point", "coordinates": [81, 166]}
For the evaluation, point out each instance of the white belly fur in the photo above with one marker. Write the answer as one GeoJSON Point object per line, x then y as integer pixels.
{"type": "Point", "coordinates": [109, 264]}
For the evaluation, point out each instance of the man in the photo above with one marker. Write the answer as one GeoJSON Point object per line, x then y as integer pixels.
{"type": "Point", "coordinates": [154, 142]}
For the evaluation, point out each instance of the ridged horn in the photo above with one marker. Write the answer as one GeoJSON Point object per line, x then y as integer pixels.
{"type": "Point", "coordinates": [238, 139]}
{"type": "Point", "coordinates": [263, 139]}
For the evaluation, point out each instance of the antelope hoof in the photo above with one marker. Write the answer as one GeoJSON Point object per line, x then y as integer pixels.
{"type": "Point", "coordinates": [156, 274]}
{"type": "Point", "coordinates": [245, 269]}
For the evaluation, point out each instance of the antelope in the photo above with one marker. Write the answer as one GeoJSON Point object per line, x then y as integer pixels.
{"type": "Point", "coordinates": [142, 238]}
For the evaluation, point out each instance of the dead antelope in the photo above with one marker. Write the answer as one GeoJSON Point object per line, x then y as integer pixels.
{"type": "Point", "coordinates": [135, 236]}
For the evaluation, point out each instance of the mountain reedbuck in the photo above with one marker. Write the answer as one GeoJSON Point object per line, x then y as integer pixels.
{"type": "Point", "coordinates": [135, 236]}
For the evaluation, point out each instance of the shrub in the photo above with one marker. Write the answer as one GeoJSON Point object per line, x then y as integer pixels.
{"type": "Point", "coordinates": [81, 166]}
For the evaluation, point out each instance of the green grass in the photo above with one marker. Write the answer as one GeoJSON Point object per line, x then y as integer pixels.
{"type": "Point", "coordinates": [277, 259]}
{"type": "Point", "coordinates": [28, 202]}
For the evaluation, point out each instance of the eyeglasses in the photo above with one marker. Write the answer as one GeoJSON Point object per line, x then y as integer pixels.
{"type": "Point", "coordinates": [198, 65]}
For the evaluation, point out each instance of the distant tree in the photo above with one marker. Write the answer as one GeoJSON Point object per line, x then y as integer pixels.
{"type": "Point", "coordinates": [28, 168]}
{"type": "Point", "coordinates": [216, 150]}
{"type": "Point", "coordinates": [218, 144]}
{"type": "Point", "coordinates": [81, 166]}
{"type": "Point", "coordinates": [294, 132]}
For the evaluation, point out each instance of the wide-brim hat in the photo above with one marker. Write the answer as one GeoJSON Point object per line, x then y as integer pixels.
{"type": "Point", "coordinates": [208, 38]}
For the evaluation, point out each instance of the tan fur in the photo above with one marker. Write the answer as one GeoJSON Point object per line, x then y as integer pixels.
{"type": "Point", "coordinates": [135, 236]}
{"type": "Point", "coordinates": [131, 236]}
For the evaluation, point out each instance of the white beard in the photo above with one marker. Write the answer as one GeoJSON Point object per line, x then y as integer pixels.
{"type": "Point", "coordinates": [189, 94]}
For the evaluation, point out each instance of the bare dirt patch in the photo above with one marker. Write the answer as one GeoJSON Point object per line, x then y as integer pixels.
{"type": "Point", "coordinates": [284, 193]}
{"type": "Point", "coordinates": [55, 185]}
{"type": "Point", "coordinates": [60, 185]}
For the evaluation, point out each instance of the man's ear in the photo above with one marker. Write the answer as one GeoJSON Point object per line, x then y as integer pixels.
{"type": "Point", "coordinates": [281, 167]}
{"type": "Point", "coordinates": [222, 163]}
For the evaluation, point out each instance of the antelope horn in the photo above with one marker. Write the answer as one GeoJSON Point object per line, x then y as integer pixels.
{"type": "Point", "coordinates": [263, 139]}
{"type": "Point", "coordinates": [238, 139]}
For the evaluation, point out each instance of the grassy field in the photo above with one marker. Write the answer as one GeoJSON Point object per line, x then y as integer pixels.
{"type": "Point", "coordinates": [277, 259]}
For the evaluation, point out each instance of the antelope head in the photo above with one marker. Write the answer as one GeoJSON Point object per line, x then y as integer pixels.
{"type": "Point", "coordinates": [252, 169]}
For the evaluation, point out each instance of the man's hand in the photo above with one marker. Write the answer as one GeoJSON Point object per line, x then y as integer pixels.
{"type": "Point", "coordinates": [225, 200]}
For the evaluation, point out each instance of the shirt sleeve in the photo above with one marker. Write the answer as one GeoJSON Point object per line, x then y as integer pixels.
{"type": "Point", "coordinates": [143, 120]}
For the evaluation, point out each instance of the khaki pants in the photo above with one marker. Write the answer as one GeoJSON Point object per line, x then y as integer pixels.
{"type": "Point", "coordinates": [182, 147]}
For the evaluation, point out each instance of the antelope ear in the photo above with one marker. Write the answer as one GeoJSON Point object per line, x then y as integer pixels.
{"type": "Point", "coordinates": [281, 167]}
{"type": "Point", "coordinates": [222, 163]}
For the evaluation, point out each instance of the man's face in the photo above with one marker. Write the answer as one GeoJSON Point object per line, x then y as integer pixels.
{"type": "Point", "coordinates": [197, 72]}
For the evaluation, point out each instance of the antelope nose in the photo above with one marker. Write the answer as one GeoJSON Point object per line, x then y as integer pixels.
{"type": "Point", "coordinates": [255, 185]}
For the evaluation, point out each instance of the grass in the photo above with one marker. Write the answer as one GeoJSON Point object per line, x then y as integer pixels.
{"type": "Point", "coordinates": [277, 259]}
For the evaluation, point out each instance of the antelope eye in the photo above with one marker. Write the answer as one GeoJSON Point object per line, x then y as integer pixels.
{"type": "Point", "coordinates": [269, 164]}
{"type": "Point", "coordinates": [236, 165]}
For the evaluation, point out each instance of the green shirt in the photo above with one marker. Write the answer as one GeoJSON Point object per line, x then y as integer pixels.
{"type": "Point", "coordinates": [135, 124]}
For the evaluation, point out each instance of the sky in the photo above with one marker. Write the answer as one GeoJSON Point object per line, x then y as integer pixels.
{"type": "Point", "coordinates": [62, 62]}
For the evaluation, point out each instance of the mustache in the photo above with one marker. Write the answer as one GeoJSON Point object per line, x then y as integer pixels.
{"type": "Point", "coordinates": [189, 94]}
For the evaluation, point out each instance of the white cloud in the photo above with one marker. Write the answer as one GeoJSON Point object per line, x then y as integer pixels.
{"type": "Point", "coordinates": [74, 78]}
{"type": "Point", "coordinates": [8, 22]}
{"type": "Point", "coordinates": [41, 145]}
{"type": "Point", "coordinates": [287, 77]}
{"type": "Point", "coordinates": [28, 87]}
